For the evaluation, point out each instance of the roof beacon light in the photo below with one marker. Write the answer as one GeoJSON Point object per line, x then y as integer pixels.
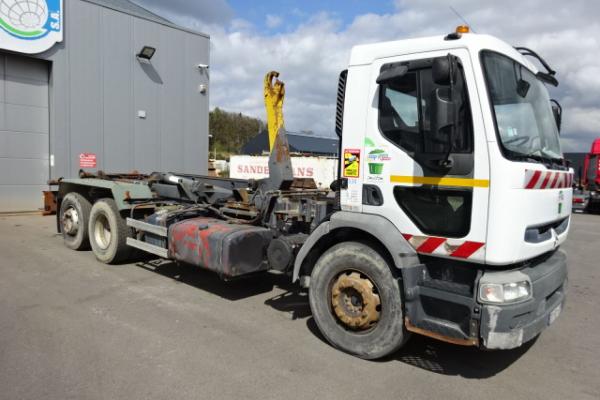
{"type": "Point", "coordinates": [462, 29]}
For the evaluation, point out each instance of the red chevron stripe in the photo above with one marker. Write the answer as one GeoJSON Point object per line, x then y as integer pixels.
{"type": "Point", "coordinates": [557, 175]}
{"type": "Point", "coordinates": [534, 179]}
{"type": "Point", "coordinates": [546, 179]}
{"type": "Point", "coordinates": [429, 245]}
{"type": "Point", "coordinates": [407, 236]}
{"type": "Point", "coordinates": [466, 249]}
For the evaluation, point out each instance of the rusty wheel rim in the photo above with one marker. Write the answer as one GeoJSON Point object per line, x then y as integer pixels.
{"type": "Point", "coordinates": [355, 301]}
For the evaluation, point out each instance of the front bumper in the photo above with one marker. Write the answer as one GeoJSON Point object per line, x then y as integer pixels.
{"type": "Point", "coordinates": [509, 326]}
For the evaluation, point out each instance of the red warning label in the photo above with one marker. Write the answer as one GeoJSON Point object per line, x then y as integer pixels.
{"type": "Point", "coordinates": [87, 160]}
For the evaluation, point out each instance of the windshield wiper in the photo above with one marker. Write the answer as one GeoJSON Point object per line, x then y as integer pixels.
{"type": "Point", "coordinates": [543, 160]}
{"type": "Point", "coordinates": [531, 157]}
{"type": "Point", "coordinates": [550, 159]}
{"type": "Point", "coordinates": [548, 76]}
{"type": "Point", "coordinates": [515, 155]}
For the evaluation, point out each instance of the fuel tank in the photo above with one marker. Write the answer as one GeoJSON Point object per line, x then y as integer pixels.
{"type": "Point", "coordinates": [229, 249]}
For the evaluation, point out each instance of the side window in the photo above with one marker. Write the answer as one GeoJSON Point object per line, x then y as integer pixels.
{"type": "Point", "coordinates": [405, 111]}
{"type": "Point", "coordinates": [399, 112]}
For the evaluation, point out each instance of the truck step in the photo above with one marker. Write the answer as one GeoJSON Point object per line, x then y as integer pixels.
{"type": "Point", "coordinates": [146, 227]}
{"type": "Point", "coordinates": [147, 247]}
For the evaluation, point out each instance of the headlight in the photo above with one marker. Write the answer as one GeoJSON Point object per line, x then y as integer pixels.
{"type": "Point", "coordinates": [504, 292]}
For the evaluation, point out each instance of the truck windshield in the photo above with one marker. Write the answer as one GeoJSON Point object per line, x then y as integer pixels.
{"type": "Point", "coordinates": [524, 118]}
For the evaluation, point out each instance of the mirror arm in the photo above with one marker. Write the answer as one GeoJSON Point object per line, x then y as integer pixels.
{"type": "Point", "coordinates": [446, 162]}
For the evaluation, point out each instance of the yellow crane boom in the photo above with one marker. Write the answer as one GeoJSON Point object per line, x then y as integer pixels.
{"type": "Point", "coordinates": [274, 94]}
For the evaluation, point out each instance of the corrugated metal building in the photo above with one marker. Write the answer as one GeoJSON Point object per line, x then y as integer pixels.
{"type": "Point", "coordinates": [74, 93]}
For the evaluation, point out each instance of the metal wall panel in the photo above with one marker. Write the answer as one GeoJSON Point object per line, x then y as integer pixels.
{"type": "Point", "coordinates": [117, 71]}
{"type": "Point", "coordinates": [98, 86]}
{"type": "Point", "coordinates": [24, 91]}
{"type": "Point", "coordinates": [146, 92]}
{"type": "Point", "coordinates": [172, 119]}
{"type": "Point", "coordinates": [24, 118]}
{"type": "Point", "coordinates": [2, 63]}
{"type": "Point", "coordinates": [24, 145]}
{"type": "Point", "coordinates": [195, 151]}
{"type": "Point", "coordinates": [85, 81]}
{"type": "Point", "coordinates": [24, 157]}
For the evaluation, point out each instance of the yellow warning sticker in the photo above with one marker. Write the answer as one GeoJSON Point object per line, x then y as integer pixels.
{"type": "Point", "coordinates": [351, 163]}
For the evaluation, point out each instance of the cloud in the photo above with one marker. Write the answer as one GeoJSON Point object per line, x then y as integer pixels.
{"type": "Point", "coordinates": [273, 21]}
{"type": "Point", "coordinates": [194, 13]}
{"type": "Point", "coordinates": [311, 54]}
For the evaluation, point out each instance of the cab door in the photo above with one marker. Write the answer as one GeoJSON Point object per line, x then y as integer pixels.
{"type": "Point", "coordinates": [433, 176]}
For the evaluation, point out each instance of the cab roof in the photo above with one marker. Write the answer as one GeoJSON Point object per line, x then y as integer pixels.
{"type": "Point", "coordinates": [367, 53]}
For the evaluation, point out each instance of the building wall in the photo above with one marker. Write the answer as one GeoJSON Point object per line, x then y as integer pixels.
{"type": "Point", "coordinates": [24, 138]}
{"type": "Point", "coordinates": [97, 87]}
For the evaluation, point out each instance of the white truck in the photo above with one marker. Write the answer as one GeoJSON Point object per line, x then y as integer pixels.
{"type": "Point", "coordinates": [452, 201]}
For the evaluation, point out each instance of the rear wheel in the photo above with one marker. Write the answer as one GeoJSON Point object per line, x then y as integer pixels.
{"type": "Point", "coordinates": [356, 301]}
{"type": "Point", "coordinates": [74, 215]}
{"type": "Point", "coordinates": [108, 232]}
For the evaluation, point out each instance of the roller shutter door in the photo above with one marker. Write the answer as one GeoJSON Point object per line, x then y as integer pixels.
{"type": "Point", "coordinates": [24, 132]}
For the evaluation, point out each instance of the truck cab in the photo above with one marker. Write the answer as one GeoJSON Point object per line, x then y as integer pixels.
{"type": "Point", "coordinates": [487, 180]}
{"type": "Point", "coordinates": [452, 144]}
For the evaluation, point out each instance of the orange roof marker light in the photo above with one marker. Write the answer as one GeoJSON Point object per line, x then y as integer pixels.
{"type": "Point", "coordinates": [462, 29]}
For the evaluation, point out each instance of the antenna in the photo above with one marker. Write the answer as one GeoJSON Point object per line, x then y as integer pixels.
{"type": "Point", "coordinates": [462, 18]}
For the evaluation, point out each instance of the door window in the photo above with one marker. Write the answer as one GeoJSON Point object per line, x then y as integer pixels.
{"type": "Point", "coordinates": [405, 118]}
{"type": "Point", "coordinates": [405, 111]}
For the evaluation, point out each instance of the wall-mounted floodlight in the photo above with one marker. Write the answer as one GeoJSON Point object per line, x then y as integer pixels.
{"type": "Point", "coordinates": [146, 54]}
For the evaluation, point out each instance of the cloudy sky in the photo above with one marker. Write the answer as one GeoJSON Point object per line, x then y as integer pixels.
{"type": "Point", "coordinates": [309, 42]}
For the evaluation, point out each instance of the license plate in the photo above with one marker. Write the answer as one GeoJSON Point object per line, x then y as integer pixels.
{"type": "Point", "coordinates": [554, 314]}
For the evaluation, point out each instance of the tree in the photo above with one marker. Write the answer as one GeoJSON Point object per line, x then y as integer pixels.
{"type": "Point", "coordinates": [231, 131]}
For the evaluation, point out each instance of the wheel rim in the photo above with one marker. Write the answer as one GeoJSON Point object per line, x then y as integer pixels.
{"type": "Point", "coordinates": [355, 301]}
{"type": "Point", "coordinates": [102, 233]}
{"type": "Point", "coordinates": [70, 221]}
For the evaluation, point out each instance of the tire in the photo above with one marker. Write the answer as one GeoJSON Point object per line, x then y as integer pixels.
{"type": "Point", "coordinates": [74, 215]}
{"type": "Point", "coordinates": [108, 232]}
{"type": "Point", "coordinates": [363, 264]}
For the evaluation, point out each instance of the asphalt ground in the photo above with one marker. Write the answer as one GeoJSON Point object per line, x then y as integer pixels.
{"type": "Point", "coordinates": [73, 328]}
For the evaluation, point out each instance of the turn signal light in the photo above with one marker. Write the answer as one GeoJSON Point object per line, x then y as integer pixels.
{"type": "Point", "coordinates": [462, 29]}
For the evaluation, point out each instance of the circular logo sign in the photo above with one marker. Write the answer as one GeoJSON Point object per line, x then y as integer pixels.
{"type": "Point", "coordinates": [25, 19]}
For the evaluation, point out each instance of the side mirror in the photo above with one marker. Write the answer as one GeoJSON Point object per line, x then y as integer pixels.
{"type": "Point", "coordinates": [444, 69]}
{"type": "Point", "coordinates": [557, 111]}
{"type": "Point", "coordinates": [443, 115]}
{"type": "Point", "coordinates": [388, 74]}
{"type": "Point", "coordinates": [443, 103]}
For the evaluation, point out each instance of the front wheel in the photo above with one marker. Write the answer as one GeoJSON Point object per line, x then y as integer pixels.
{"type": "Point", "coordinates": [108, 232]}
{"type": "Point", "coordinates": [356, 301]}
